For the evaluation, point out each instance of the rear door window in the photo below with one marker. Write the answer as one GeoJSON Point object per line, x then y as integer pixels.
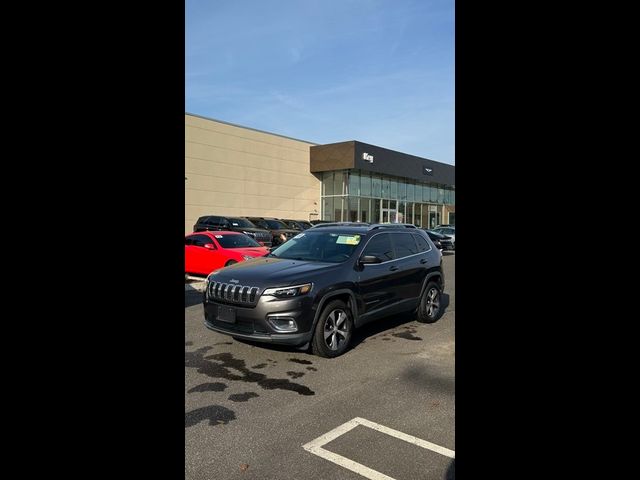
{"type": "Point", "coordinates": [423, 246]}
{"type": "Point", "coordinates": [404, 245]}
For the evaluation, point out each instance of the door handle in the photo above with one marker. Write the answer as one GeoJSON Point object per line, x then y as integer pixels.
{"type": "Point", "coordinates": [424, 260]}
{"type": "Point", "coordinates": [394, 268]}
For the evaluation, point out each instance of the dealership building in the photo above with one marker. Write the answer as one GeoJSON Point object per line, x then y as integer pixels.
{"type": "Point", "coordinates": [236, 171]}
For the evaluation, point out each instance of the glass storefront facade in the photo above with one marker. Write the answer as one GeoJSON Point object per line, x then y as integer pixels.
{"type": "Point", "coordinates": [360, 196]}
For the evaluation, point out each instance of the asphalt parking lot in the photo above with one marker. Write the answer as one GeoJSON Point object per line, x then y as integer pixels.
{"type": "Point", "coordinates": [256, 411]}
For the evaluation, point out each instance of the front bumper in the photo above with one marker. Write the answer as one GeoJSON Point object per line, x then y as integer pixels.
{"type": "Point", "coordinates": [251, 322]}
{"type": "Point", "coordinates": [293, 339]}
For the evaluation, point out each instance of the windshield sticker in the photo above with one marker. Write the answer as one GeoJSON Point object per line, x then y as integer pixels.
{"type": "Point", "coordinates": [218, 236]}
{"type": "Point", "coordinates": [348, 239]}
{"type": "Point", "coordinates": [235, 224]}
{"type": "Point", "coordinates": [300, 235]}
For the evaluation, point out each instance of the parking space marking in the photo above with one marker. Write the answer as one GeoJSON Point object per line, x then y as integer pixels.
{"type": "Point", "coordinates": [315, 447]}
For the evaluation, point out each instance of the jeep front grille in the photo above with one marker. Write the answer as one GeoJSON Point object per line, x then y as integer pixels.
{"type": "Point", "coordinates": [231, 293]}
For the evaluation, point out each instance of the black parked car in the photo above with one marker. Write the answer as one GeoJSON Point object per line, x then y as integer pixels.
{"type": "Point", "coordinates": [299, 225]}
{"type": "Point", "coordinates": [318, 287]}
{"type": "Point", "coordinates": [233, 224]}
{"type": "Point", "coordinates": [280, 233]}
{"type": "Point", "coordinates": [442, 242]}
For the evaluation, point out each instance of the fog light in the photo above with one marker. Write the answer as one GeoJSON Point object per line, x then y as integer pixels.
{"type": "Point", "coordinates": [283, 324]}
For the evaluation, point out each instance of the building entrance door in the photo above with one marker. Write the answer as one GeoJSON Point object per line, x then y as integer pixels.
{"type": "Point", "coordinates": [434, 216]}
{"type": "Point", "coordinates": [389, 211]}
{"type": "Point", "coordinates": [389, 215]}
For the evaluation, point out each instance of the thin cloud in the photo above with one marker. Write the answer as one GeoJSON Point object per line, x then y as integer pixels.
{"type": "Point", "coordinates": [328, 70]}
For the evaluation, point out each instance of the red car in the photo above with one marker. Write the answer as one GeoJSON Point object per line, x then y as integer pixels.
{"type": "Point", "coordinates": [205, 252]}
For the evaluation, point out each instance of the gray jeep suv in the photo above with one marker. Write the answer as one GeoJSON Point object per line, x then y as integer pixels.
{"type": "Point", "coordinates": [325, 282]}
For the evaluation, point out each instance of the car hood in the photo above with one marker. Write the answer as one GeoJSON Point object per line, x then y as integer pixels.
{"type": "Point", "coordinates": [271, 272]}
{"type": "Point", "coordinates": [286, 230]}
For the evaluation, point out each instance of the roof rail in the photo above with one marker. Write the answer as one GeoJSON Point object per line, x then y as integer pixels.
{"type": "Point", "coordinates": [391, 225]}
{"type": "Point", "coordinates": [340, 224]}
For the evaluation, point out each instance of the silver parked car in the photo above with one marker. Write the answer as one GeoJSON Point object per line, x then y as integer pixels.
{"type": "Point", "coordinates": [449, 231]}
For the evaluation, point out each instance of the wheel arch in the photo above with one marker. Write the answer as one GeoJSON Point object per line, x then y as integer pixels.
{"type": "Point", "coordinates": [344, 294]}
{"type": "Point", "coordinates": [434, 274]}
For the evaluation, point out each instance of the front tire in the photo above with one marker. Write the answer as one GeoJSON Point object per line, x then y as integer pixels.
{"type": "Point", "coordinates": [430, 308]}
{"type": "Point", "coordinates": [230, 262]}
{"type": "Point", "coordinates": [333, 331]}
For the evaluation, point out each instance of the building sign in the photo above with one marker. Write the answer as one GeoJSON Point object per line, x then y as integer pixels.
{"type": "Point", "coordinates": [427, 171]}
{"type": "Point", "coordinates": [367, 158]}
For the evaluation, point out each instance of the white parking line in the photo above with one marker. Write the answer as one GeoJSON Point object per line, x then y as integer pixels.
{"type": "Point", "coordinates": [315, 447]}
{"type": "Point", "coordinates": [408, 438]}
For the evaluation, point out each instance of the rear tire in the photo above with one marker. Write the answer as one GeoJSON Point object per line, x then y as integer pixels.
{"type": "Point", "coordinates": [333, 331]}
{"type": "Point", "coordinates": [430, 308]}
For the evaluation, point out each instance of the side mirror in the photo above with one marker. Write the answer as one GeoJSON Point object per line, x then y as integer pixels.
{"type": "Point", "coordinates": [209, 246]}
{"type": "Point", "coordinates": [369, 259]}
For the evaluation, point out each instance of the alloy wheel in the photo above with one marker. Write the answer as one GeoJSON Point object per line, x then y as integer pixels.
{"type": "Point", "coordinates": [336, 329]}
{"type": "Point", "coordinates": [433, 302]}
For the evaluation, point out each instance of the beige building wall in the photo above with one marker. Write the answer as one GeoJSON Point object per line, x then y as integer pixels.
{"type": "Point", "coordinates": [237, 171]}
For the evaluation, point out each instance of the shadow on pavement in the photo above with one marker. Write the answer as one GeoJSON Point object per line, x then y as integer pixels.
{"type": "Point", "coordinates": [192, 297]}
{"type": "Point", "coordinates": [384, 324]}
{"type": "Point", "coordinates": [275, 347]}
{"type": "Point", "coordinates": [451, 471]}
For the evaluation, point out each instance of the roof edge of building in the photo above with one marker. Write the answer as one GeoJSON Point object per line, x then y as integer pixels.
{"type": "Point", "coordinates": [405, 153]}
{"type": "Point", "coordinates": [249, 128]}
{"type": "Point", "coordinates": [315, 144]}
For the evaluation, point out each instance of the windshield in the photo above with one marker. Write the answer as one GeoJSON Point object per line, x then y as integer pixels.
{"type": "Point", "coordinates": [241, 222]}
{"type": "Point", "coordinates": [275, 225]}
{"type": "Point", "coordinates": [319, 247]}
{"type": "Point", "coordinates": [236, 241]}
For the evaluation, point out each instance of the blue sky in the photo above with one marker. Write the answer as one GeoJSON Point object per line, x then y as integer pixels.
{"type": "Point", "coordinates": [377, 71]}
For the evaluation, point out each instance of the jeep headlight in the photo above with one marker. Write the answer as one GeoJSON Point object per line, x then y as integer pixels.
{"type": "Point", "coordinates": [288, 292]}
{"type": "Point", "coordinates": [247, 257]}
